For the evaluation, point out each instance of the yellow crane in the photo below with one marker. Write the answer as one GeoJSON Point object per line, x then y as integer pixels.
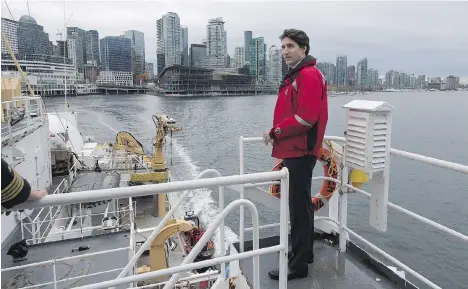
{"type": "Point", "coordinates": [159, 172]}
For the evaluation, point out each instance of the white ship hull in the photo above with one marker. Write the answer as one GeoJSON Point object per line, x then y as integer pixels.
{"type": "Point", "coordinates": [25, 146]}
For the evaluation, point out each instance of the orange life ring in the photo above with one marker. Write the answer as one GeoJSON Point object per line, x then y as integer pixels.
{"type": "Point", "coordinates": [330, 169]}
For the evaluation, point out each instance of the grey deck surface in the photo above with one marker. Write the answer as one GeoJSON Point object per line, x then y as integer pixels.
{"type": "Point", "coordinates": [331, 269]}
{"type": "Point", "coordinates": [69, 268]}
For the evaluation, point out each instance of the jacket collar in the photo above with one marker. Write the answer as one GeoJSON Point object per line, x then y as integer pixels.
{"type": "Point", "coordinates": [309, 60]}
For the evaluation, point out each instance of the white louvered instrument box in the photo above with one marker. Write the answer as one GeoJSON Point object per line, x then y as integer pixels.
{"type": "Point", "coordinates": [367, 148]}
{"type": "Point", "coordinates": [368, 134]}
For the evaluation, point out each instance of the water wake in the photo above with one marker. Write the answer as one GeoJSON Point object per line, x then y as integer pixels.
{"type": "Point", "coordinates": [199, 201]}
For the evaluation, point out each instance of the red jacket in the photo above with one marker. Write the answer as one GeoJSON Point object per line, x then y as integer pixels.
{"type": "Point", "coordinates": [301, 112]}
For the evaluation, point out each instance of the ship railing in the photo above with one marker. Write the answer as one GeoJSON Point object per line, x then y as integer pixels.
{"type": "Point", "coordinates": [35, 225]}
{"type": "Point", "coordinates": [121, 213]}
{"type": "Point", "coordinates": [53, 263]}
{"type": "Point", "coordinates": [187, 186]}
{"type": "Point", "coordinates": [337, 217]}
{"type": "Point", "coordinates": [21, 114]}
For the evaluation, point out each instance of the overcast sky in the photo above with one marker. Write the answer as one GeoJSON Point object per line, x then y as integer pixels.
{"type": "Point", "coordinates": [413, 37]}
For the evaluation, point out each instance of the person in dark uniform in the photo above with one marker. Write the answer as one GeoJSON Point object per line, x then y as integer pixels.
{"type": "Point", "coordinates": [16, 189]}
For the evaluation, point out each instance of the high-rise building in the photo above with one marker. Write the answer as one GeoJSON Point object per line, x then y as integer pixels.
{"type": "Point", "coordinates": [362, 73]}
{"type": "Point", "coordinates": [92, 47]}
{"type": "Point", "coordinates": [76, 40]}
{"type": "Point", "coordinates": [116, 54]}
{"type": "Point", "coordinates": [372, 78]}
{"type": "Point", "coordinates": [328, 70]}
{"type": "Point", "coordinates": [63, 48]}
{"type": "Point", "coordinates": [265, 49]}
{"type": "Point", "coordinates": [247, 38]}
{"type": "Point", "coordinates": [225, 42]}
{"type": "Point", "coordinates": [31, 37]}
{"type": "Point", "coordinates": [341, 70]}
{"type": "Point", "coordinates": [198, 55]}
{"type": "Point", "coordinates": [75, 46]}
{"type": "Point", "coordinates": [10, 29]}
{"type": "Point", "coordinates": [239, 57]}
{"type": "Point", "coordinates": [451, 82]}
{"type": "Point", "coordinates": [184, 45]}
{"type": "Point", "coordinates": [351, 75]}
{"type": "Point", "coordinates": [421, 81]}
{"type": "Point", "coordinates": [256, 57]}
{"type": "Point", "coordinates": [168, 46]}
{"type": "Point", "coordinates": [137, 40]}
{"type": "Point", "coordinates": [160, 59]}
{"type": "Point", "coordinates": [149, 68]}
{"type": "Point", "coordinates": [216, 43]}
{"type": "Point", "coordinates": [275, 66]}
{"type": "Point", "coordinates": [284, 67]}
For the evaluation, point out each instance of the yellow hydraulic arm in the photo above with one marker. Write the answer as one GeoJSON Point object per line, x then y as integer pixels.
{"type": "Point", "coordinates": [157, 254]}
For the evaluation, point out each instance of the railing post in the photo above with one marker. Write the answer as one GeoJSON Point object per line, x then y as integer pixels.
{"type": "Point", "coordinates": [22, 226]}
{"type": "Point", "coordinates": [241, 172]}
{"type": "Point", "coordinates": [55, 275]}
{"type": "Point", "coordinates": [81, 221]}
{"type": "Point", "coordinates": [284, 229]}
{"type": "Point", "coordinates": [343, 203]}
{"type": "Point", "coordinates": [131, 248]}
{"type": "Point", "coordinates": [221, 232]}
{"type": "Point", "coordinates": [33, 228]}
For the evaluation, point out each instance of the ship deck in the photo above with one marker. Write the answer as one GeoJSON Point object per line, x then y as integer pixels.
{"type": "Point", "coordinates": [331, 268]}
{"type": "Point", "coordinates": [68, 268]}
{"type": "Point", "coordinates": [98, 240]}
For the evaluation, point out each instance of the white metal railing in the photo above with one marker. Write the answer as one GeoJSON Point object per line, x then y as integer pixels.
{"type": "Point", "coordinates": [54, 262]}
{"type": "Point", "coordinates": [343, 187]}
{"type": "Point", "coordinates": [146, 245]}
{"type": "Point", "coordinates": [191, 280]}
{"type": "Point", "coordinates": [19, 114]}
{"type": "Point", "coordinates": [51, 215]}
{"type": "Point", "coordinates": [128, 192]}
{"type": "Point", "coordinates": [246, 180]}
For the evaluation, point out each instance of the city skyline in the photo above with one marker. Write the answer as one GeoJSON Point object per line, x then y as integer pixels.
{"type": "Point", "coordinates": [377, 35]}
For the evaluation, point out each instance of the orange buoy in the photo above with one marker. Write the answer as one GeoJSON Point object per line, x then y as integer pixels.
{"type": "Point", "coordinates": [330, 169]}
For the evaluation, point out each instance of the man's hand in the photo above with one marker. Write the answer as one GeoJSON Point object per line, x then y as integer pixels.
{"type": "Point", "coordinates": [266, 138]}
{"type": "Point", "coordinates": [37, 194]}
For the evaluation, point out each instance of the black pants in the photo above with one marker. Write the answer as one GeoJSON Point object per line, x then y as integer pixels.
{"type": "Point", "coordinates": [300, 210]}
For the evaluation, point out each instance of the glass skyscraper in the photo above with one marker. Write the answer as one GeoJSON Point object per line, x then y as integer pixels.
{"type": "Point", "coordinates": [116, 54]}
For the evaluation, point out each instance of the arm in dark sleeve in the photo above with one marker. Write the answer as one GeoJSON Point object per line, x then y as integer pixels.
{"type": "Point", "coordinates": [309, 97]}
{"type": "Point", "coordinates": [15, 189]}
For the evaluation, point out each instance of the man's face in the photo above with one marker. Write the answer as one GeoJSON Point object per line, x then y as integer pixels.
{"type": "Point", "coordinates": [292, 53]}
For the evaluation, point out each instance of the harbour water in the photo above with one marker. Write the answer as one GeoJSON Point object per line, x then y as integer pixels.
{"type": "Point", "coordinates": [429, 123]}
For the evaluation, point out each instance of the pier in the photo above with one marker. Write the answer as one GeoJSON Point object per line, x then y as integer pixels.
{"type": "Point", "coordinates": [114, 89]}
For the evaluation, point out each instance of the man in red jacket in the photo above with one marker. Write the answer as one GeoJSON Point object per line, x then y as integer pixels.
{"type": "Point", "coordinates": [299, 122]}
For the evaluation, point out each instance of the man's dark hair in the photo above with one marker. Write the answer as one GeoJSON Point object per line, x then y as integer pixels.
{"type": "Point", "coordinates": [298, 36]}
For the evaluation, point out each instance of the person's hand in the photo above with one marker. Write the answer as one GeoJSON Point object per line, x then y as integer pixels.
{"type": "Point", "coordinates": [266, 138]}
{"type": "Point", "coordinates": [37, 194]}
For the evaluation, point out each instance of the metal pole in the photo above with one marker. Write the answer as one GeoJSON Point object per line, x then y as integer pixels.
{"type": "Point", "coordinates": [55, 275]}
{"type": "Point", "coordinates": [343, 203]}
{"type": "Point", "coordinates": [284, 230]}
{"type": "Point", "coordinates": [131, 248]}
{"type": "Point", "coordinates": [144, 190]}
{"type": "Point", "coordinates": [221, 232]}
{"type": "Point", "coordinates": [241, 172]}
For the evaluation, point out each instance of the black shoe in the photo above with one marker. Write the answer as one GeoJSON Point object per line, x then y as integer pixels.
{"type": "Point", "coordinates": [310, 258]}
{"type": "Point", "coordinates": [274, 274]}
